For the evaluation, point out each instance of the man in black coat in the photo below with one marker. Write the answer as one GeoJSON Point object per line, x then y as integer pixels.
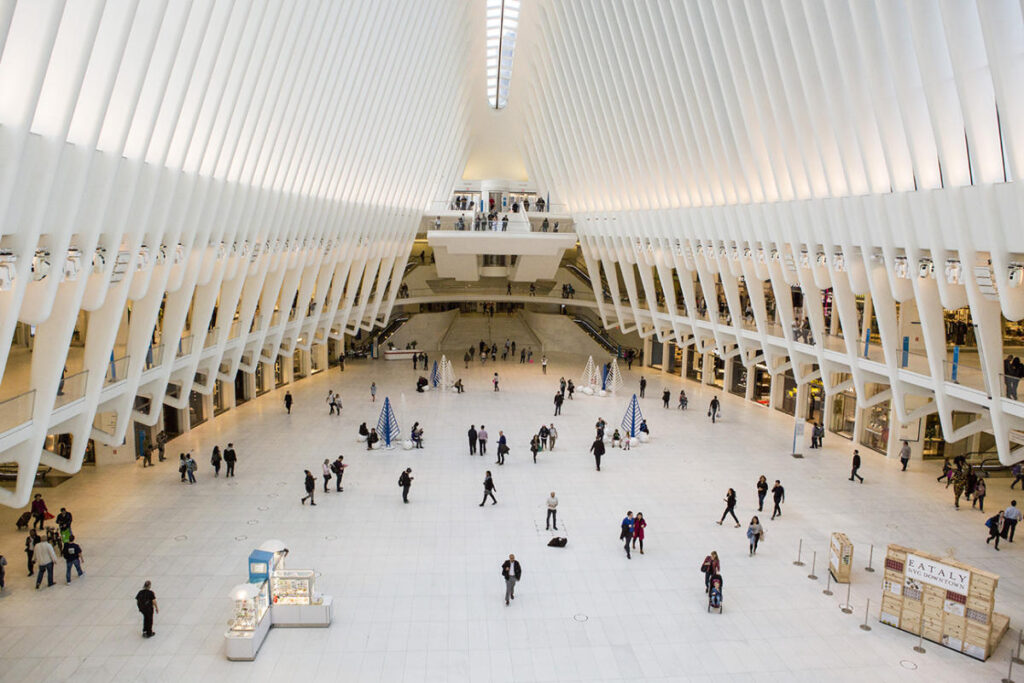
{"type": "Point", "coordinates": [597, 448]}
{"type": "Point", "coordinates": [472, 439]}
{"type": "Point", "coordinates": [229, 459]}
{"type": "Point", "coordinates": [856, 466]}
{"type": "Point", "coordinates": [512, 572]}
{"type": "Point", "coordinates": [405, 481]}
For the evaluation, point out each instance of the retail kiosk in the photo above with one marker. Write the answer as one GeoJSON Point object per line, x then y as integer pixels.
{"type": "Point", "coordinates": [273, 596]}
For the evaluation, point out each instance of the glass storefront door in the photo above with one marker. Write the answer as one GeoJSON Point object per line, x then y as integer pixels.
{"type": "Point", "coordinates": [762, 385]}
{"type": "Point", "coordinates": [693, 364]}
{"type": "Point", "coordinates": [196, 410]}
{"type": "Point", "coordinates": [738, 385]}
{"type": "Point", "coordinates": [788, 402]}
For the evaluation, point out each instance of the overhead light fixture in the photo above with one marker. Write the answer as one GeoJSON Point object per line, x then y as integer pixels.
{"type": "Point", "coordinates": [805, 259]}
{"type": "Point", "coordinates": [40, 264]}
{"type": "Point", "coordinates": [761, 257]}
{"type": "Point", "coordinates": [735, 254]}
{"type": "Point", "coordinates": [821, 259]}
{"type": "Point", "coordinates": [954, 271]}
{"type": "Point", "coordinates": [144, 257]}
{"type": "Point", "coordinates": [839, 262]}
{"type": "Point", "coordinates": [747, 253]}
{"type": "Point", "coordinates": [72, 264]}
{"type": "Point", "coordinates": [7, 262]}
{"type": "Point", "coordinates": [1015, 276]}
{"type": "Point", "coordinates": [179, 253]}
{"type": "Point", "coordinates": [775, 255]}
{"type": "Point", "coordinates": [901, 267]}
{"type": "Point", "coordinates": [99, 260]}
{"type": "Point", "coordinates": [925, 268]}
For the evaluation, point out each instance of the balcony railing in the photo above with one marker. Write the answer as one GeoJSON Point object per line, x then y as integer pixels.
{"type": "Point", "coordinates": [1010, 386]}
{"type": "Point", "coordinates": [154, 356]}
{"type": "Point", "coordinates": [236, 328]}
{"type": "Point", "coordinates": [71, 389]}
{"type": "Point", "coordinates": [184, 346]}
{"type": "Point", "coordinates": [117, 371]}
{"type": "Point", "coordinates": [211, 337]}
{"type": "Point", "coordinates": [16, 412]}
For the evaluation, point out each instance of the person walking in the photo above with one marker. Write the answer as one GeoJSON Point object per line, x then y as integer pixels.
{"type": "Point", "coordinates": [182, 466]}
{"type": "Point", "coordinates": [682, 400]}
{"type": "Point", "coordinates": [405, 481]}
{"type": "Point", "coordinates": [755, 532]}
{"type": "Point", "coordinates": [215, 461]}
{"type": "Point", "coordinates": [330, 401]}
{"type": "Point", "coordinates": [30, 550]}
{"type": "Point", "coordinates": [472, 439]}
{"type": "Point", "coordinates": [626, 532]}
{"type": "Point", "coordinates": [1012, 516]}
{"type": "Point", "coordinates": [959, 484]}
{"type": "Point", "coordinates": [643, 386]}
{"type": "Point", "coordinates": [714, 409]}
{"type": "Point", "coordinates": [711, 567]}
{"type": "Point", "coordinates": [534, 447]}
{"type": "Point", "coordinates": [855, 465]}
{"type": "Point", "coordinates": [947, 472]}
{"type": "Point", "coordinates": [190, 468]}
{"type": "Point", "coordinates": [1018, 475]}
{"type": "Point", "coordinates": [489, 489]}
{"type": "Point", "coordinates": [482, 440]}
{"type": "Point", "coordinates": [762, 491]}
{"type": "Point", "coordinates": [666, 396]}
{"type": "Point", "coordinates": [288, 401]}
{"type": "Point", "coordinates": [45, 557]}
{"type": "Point", "coordinates": [730, 508]}
{"type": "Point", "coordinates": [552, 436]}
{"type": "Point", "coordinates": [338, 467]}
{"type": "Point", "coordinates": [559, 399]}
{"type": "Point", "coordinates": [39, 511]}
{"type": "Point", "coordinates": [64, 520]}
{"type": "Point", "coordinates": [512, 572]}
{"type": "Point", "coordinates": [3, 572]}
{"type": "Point", "coordinates": [570, 388]}
{"type": "Point", "coordinates": [543, 364]}
{"type": "Point", "coordinates": [229, 460]}
{"type": "Point", "coordinates": [145, 600]}
{"type": "Point", "coordinates": [552, 518]}
{"type": "Point", "coordinates": [161, 443]}
{"type": "Point", "coordinates": [502, 448]}
{"type": "Point", "coordinates": [310, 485]}
{"type": "Point", "coordinates": [905, 455]}
{"type": "Point", "coordinates": [996, 527]}
{"type": "Point", "coordinates": [597, 448]}
{"type": "Point", "coordinates": [326, 469]}
{"type": "Point", "coordinates": [72, 553]}
{"type": "Point", "coordinates": [979, 494]}
{"type": "Point", "coordinates": [373, 392]}
{"type": "Point", "coordinates": [543, 434]}
{"type": "Point", "coordinates": [639, 524]}
{"type": "Point", "coordinates": [495, 381]}
{"type": "Point", "coordinates": [779, 496]}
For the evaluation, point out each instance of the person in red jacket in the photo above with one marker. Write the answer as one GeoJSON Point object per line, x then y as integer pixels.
{"type": "Point", "coordinates": [39, 511]}
{"type": "Point", "coordinates": [638, 530]}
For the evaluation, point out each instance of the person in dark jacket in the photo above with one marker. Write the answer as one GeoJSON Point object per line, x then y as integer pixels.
{"type": "Point", "coordinates": [856, 466]}
{"type": "Point", "coordinates": [730, 507]}
{"type": "Point", "coordinates": [597, 448]}
{"type": "Point", "coordinates": [72, 553]}
{"type": "Point", "coordinates": [230, 459]}
{"type": "Point", "coordinates": [779, 496]}
{"type": "Point", "coordinates": [310, 484]}
{"type": "Point", "coordinates": [405, 481]}
{"type": "Point", "coordinates": [762, 491]}
{"type": "Point", "coordinates": [489, 489]}
{"type": "Point", "coordinates": [145, 599]}
{"type": "Point", "coordinates": [666, 397]}
{"type": "Point", "coordinates": [39, 511]}
{"type": "Point", "coordinates": [626, 532]}
{"type": "Point", "coordinates": [215, 461]}
{"type": "Point", "coordinates": [472, 439]}
{"type": "Point", "coordinates": [288, 401]}
{"type": "Point", "coordinates": [995, 526]}
{"type": "Point", "coordinates": [511, 571]}
{"type": "Point", "coordinates": [30, 550]}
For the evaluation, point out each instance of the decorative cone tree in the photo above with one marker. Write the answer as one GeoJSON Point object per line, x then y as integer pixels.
{"type": "Point", "coordinates": [633, 417]}
{"type": "Point", "coordinates": [447, 374]}
{"type": "Point", "coordinates": [435, 376]}
{"type": "Point", "coordinates": [614, 380]}
{"type": "Point", "coordinates": [590, 376]}
{"type": "Point", "coordinates": [387, 424]}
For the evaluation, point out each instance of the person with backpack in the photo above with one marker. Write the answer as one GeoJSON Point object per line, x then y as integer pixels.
{"type": "Point", "coordinates": [338, 467]}
{"type": "Point", "coordinates": [405, 481]}
{"type": "Point", "coordinates": [230, 458]}
{"type": "Point", "coordinates": [72, 553]}
{"type": "Point", "coordinates": [310, 485]}
{"type": "Point", "coordinates": [145, 600]}
{"type": "Point", "coordinates": [489, 489]}
{"type": "Point", "coordinates": [215, 461]}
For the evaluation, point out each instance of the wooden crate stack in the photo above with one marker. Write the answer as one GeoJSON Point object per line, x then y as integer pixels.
{"type": "Point", "coordinates": [840, 557]}
{"type": "Point", "coordinates": [966, 623]}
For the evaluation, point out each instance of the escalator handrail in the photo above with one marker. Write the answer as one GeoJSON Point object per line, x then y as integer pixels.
{"type": "Point", "coordinates": [594, 332]}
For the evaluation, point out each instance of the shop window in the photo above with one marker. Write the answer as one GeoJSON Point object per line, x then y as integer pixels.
{"type": "Point", "coordinates": [262, 386]}
{"type": "Point", "coordinates": [762, 384]}
{"type": "Point", "coordinates": [875, 434]}
{"type": "Point", "coordinates": [789, 390]}
{"type": "Point", "coordinates": [738, 385]}
{"type": "Point", "coordinates": [693, 364]}
{"type": "Point", "coordinates": [718, 371]}
{"type": "Point", "coordinates": [196, 409]}
{"type": "Point", "coordinates": [219, 400]}
{"type": "Point", "coordinates": [298, 367]}
{"type": "Point", "coordinates": [241, 395]}
{"type": "Point", "coordinates": [279, 380]}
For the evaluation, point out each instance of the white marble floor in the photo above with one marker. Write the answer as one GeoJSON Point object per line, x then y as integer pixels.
{"type": "Point", "coordinates": [417, 588]}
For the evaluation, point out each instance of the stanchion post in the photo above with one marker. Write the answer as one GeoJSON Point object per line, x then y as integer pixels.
{"type": "Point", "coordinates": [799, 550]}
{"type": "Point", "coordinates": [847, 608]}
{"type": "Point", "coordinates": [814, 561]}
{"type": "Point", "coordinates": [1009, 674]}
{"type": "Point", "coordinates": [828, 584]}
{"type": "Point", "coordinates": [1020, 639]}
{"type": "Point", "coordinates": [871, 555]}
{"type": "Point", "coordinates": [919, 648]}
{"type": "Point", "coordinates": [867, 608]}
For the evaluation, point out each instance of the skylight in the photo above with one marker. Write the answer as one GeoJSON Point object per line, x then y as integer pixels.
{"type": "Point", "coordinates": [502, 27]}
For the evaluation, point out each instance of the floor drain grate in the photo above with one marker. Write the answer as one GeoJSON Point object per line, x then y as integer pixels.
{"type": "Point", "coordinates": [909, 665]}
{"type": "Point", "coordinates": [330, 537]}
{"type": "Point", "coordinates": [253, 521]}
{"type": "Point", "coordinates": [581, 617]}
{"type": "Point", "coordinates": [241, 538]}
{"type": "Point", "coordinates": [182, 537]}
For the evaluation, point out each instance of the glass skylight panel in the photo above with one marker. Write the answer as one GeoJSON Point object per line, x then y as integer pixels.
{"type": "Point", "coordinates": [502, 27]}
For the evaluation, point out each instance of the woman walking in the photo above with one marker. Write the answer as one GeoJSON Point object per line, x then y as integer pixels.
{"type": "Point", "coordinates": [710, 567]}
{"type": "Point", "coordinates": [762, 491]}
{"type": "Point", "coordinates": [730, 507]}
{"type": "Point", "coordinates": [489, 489]}
{"type": "Point", "coordinates": [215, 461]}
{"type": "Point", "coordinates": [310, 484]}
{"type": "Point", "coordinates": [638, 530]}
{"type": "Point", "coordinates": [979, 494]}
{"type": "Point", "coordinates": [534, 447]}
{"type": "Point", "coordinates": [755, 532]}
{"type": "Point", "coordinates": [959, 485]}
{"type": "Point", "coordinates": [373, 392]}
{"type": "Point", "coordinates": [327, 473]}
{"type": "Point", "coordinates": [995, 527]}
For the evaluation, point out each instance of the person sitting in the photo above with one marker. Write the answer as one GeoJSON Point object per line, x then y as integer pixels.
{"type": "Point", "coordinates": [616, 439]}
{"type": "Point", "coordinates": [643, 427]}
{"type": "Point", "coordinates": [371, 439]}
{"type": "Point", "coordinates": [420, 383]}
{"type": "Point", "coordinates": [458, 386]}
{"type": "Point", "coordinates": [417, 435]}
{"type": "Point", "coordinates": [363, 432]}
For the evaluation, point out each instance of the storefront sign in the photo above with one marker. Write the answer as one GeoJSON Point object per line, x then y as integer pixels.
{"type": "Point", "coordinates": [937, 574]}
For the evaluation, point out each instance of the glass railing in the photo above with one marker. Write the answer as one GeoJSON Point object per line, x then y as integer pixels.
{"type": "Point", "coordinates": [185, 346]}
{"type": "Point", "coordinates": [965, 369]}
{"type": "Point", "coordinates": [117, 371]}
{"type": "Point", "coordinates": [211, 337]}
{"type": "Point", "coordinates": [257, 320]}
{"type": "Point", "coordinates": [275, 318]}
{"type": "Point", "coordinates": [16, 412]}
{"type": "Point", "coordinates": [71, 389]}
{"type": "Point", "coordinates": [154, 356]}
{"type": "Point", "coordinates": [236, 328]}
{"type": "Point", "coordinates": [1010, 386]}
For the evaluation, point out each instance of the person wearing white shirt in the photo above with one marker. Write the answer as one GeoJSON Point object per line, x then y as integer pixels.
{"type": "Point", "coordinates": [45, 557]}
{"type": "Point", "coordinates": [1012, 516]}
{"type": "Point", "coordinates": [552, 436]}
{"type": "Point", "coordinates": [552, 512]}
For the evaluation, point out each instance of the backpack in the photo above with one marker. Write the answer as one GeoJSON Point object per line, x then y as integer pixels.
{"type": "Point", "coordinates": [401, 480]}
{"type": "Point", "coordinates": [557, 542]}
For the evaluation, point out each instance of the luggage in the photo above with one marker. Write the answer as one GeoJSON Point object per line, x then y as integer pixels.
{"type": "Point", "coordinates": [23, 521]}
{"type": "Point", "coordinates": [557, 542]}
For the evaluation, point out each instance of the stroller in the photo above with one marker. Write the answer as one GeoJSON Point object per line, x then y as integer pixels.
{"type": "Point", "coordinates": [715, 593]}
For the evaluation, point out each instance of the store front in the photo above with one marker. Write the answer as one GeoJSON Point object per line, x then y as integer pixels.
{"type": "Point", "coordinates": [314, 360]}
{"type": "Point", "coordinates": [718, 371]}
{"type": "Point", "coordinates": [241, 393]}
{"type": "Point", "coordinates": [333, 352]}
{"type": "Point", "coordinates": [219, 400]}
{"type": "Point", "coordinates": [815, 401]}
{"type": "Point", "coordinates": [678, 359]}
{"type": "Point", "coordinates": [935, 445]}
{"type": "Point", "coordinates": [172, 422]}
{"type": "Point", "coordinates": [762, 384]}
{"type": "Point", "coordinates": [788, 402]}
{"type": "Point", "coordinates": [693, 364]}
{"type": "Point", "coordinates": [262, 386]}
{"type": "Point", "coordinates": [196, 409]}
{"type": "Point", "coordinates": [279, 380]}
{"type": "Point", "coordinates": [738, 383]}
{"type": "Point", "coordinates": [298, 367]}
{"type": "Point", "coordinates": [875, 434]}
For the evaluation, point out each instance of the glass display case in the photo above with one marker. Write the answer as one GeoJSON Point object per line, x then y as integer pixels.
{"type": "Point", "coordinates": [251, 603]}
{"type": "Point", "coordinates": [293, 587]}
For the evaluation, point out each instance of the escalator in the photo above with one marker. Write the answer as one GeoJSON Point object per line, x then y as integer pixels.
{"type": "Point", "coordinates": [380, 337]}
{"type": "Point", "coordinates": [606, 342]}
{"type": "Point", "coordinates": [582, 275]}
